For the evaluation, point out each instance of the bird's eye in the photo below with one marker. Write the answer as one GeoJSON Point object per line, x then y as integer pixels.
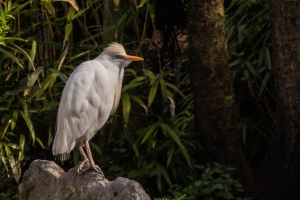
{"type": "Point", "coordinates": [118, 56]}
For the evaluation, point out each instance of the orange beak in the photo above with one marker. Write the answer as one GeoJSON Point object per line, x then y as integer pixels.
{"type": "Point", "coordinates": [132, 58]}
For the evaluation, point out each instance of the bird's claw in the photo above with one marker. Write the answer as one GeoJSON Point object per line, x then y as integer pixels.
{"type": "Point", "coordinates": [97, 169]}
{"type": "Point", "coordinates": [80, 169]}
{"type": "Point", "coordinates": [94, 167]}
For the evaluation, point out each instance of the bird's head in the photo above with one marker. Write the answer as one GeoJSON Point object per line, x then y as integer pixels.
{"type": "Point", "coordinates": [115, 53]}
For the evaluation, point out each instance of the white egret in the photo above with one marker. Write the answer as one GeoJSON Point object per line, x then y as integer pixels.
{"type": "Point", "coordinates": [91, 93]}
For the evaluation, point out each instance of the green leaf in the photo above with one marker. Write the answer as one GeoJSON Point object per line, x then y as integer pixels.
{"type": "Point", "coordinates": [62, 76]}
{"type": "Point", "coordinates": [176, 90]}
{"type": "Point", "coordinates": [163, 89]}
{"type": "Point", "coordinates": [4, 131]}
{"type": "Point", "coordinates": [170, 156]}
{"type": "Point", "coordinates": [70, 14]}
{"type": "Point", "coordinates": [142, 3]}
{"type": "Point", "coordinates": [29, 125]}
{"type": "Point", "coordinates": [22, 142]}
{"type": "Point", "coordinates": [32, 55]}
{"type": "Point", "coordinates": [167, 129]}
{"type": "Point", "coordinates": [49, 7]}
{"type": "Point", "coordinates": [148, 134]}
{"type": "Point", "coordinates": [24, 105]}
{"type": "Point", "coordinates": [126, 106]}
{"type": "Point", "coordinates": [117, 3]}
{"type": "Point", "coordinates": [68, 31]}
{"type": "Point", "coordinates": [152, 92]}
{"type": "Point", "coordinates": [13, 57]}
{"type": "Point", "coordinates": [251, 69]}
{"type": "Point", "coordinates": [149, 74]}
{"type": "Point", "coordinates": [140, 102]}
{"type": "Point", "coordinates": [33, 76]}
{"type": "Point", "coordinates": [164, 172]}
{"type": "Point", "coordinates": [14, 146]}
{"type": "Point", "coordinates": [14, 120]}
{"type": "Point", "coordinates": [50, 80]}
{"type": "Point", "coordinates": [151, 12]}
{"type": "Point", "coordinates": [40, 142]}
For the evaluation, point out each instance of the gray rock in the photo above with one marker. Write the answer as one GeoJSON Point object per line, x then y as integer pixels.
{"type": "Point", "coordinates": [46, 180]}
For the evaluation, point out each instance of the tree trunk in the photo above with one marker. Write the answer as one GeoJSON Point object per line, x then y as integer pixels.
{"type": "Point", "coordinates": [215, 125]}
{"type": "Point", "coordinates": [279, 175]}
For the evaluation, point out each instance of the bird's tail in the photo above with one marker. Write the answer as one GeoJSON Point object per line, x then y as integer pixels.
{"type": "Point", "coordinates": [63, 142]}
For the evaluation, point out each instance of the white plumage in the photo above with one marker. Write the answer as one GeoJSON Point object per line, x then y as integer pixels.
{"type": "Point", "coordinates": [91, 93]}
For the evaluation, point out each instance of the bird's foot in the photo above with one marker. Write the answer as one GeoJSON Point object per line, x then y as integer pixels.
{"type": "Point", "coordinates": [98, 170]}
{"type": "Point", "coordinates": [80, 169]}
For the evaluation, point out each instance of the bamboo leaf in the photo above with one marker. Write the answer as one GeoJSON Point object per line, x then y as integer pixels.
{"type": "Point", "coordinates": [62, 76]}
{"type": "Point", "coordinates": [72, 2]}
{"type": "Point", "coordinates": [5, 129]}
{"type": "Point", "coordinates": [251, 68]}
{"type": "Point", "coordinates": [32, 55]}
{"type": "Point", "coordinates": [142, 3]}
{"type": "Point", "coordinates": [163, 88]}
{"type": "Point", "coordinates": [264, 83]}
{"type": "Point", "coordinates": [116, 3]}
{"type": "Point", "coordinates": [14, 146]}
{"type": "Point", "coordinates": [50, 80]}
{"type": "Point", "coordinates": [22, 143]}
{"type": "Point", "coordinates": [177, 140]}
{"type": "Point", "coordinates": [149, 74]}
{"type": "Point", "coordinates": [24, 105]}
{"type": "Point", "coordinates": [40, 142]}
{"type": "Point", "coordinates": [70, 14]}
{"type": "Point", "coordinates": [176, 90]}
{"type": "Point", "coordinates": [10, 55]}
{"type": "Point", "coordinates": [164, 172]}
{"type": "Point", "coordinates": [68, 31]}
{"type": "Point", "coordinates": [151, 12]}
{"type": "Point", "coordinates": [14, 120]}
{"type": "Point", "coordinates": [170, 156]}
{"type": "Point", "coordinates": [126, 106]}
{"type": "Point", "coordinates": [29, 125]}
{"type": "Point", "coordinates": [140, 102]}
{"type": "Point", "coordinates": [48, 5]}
{"type": "Point", "coordinates": [33, 76]}
{"type": "Point", "coordinates": [148, 134]}
{"type": "Point", "coordinates": [152, 92]}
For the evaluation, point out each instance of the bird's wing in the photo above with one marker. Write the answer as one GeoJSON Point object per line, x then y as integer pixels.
{"type": "Point", "coordinates": [118, 90]}
{"type": "Point", "coordinates": [79, 107]}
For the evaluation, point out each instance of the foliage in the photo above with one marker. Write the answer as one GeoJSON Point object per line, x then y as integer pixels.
{"type": "Point", "coordinates": [149, 138]}
{"type": "Point", "coordinates": [249, 40]}
{"type": "Point", "coordinates": [215, 183]}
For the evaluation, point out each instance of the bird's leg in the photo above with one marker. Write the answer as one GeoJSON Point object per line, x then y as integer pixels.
{"type": "Point", "coordinates": [84, 160]}
{"type": "Point", "coordinates": [92, 164]}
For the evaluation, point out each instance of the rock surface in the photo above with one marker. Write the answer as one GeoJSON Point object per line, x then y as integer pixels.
{"type": "Point", "coordinates": [46, 180]}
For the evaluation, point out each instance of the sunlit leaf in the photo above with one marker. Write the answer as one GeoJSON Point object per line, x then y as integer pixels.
{"type": "Point", "coordinates": [70, 14]}
{"type": "Point", "coordinates": [48, 5]}
{"type": "Point", "coordinates": [32, 55]}
{"type": "Point", "coordinates": [68, 30]}
{"type": "Point", "coordinates": [33, 76]}
{"type": "Point", "coordinates": [62, 76]}
{"type": "Point", "coordinates": [10, 55]}
{"type": "Point", "coordinates": [142, 3]}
